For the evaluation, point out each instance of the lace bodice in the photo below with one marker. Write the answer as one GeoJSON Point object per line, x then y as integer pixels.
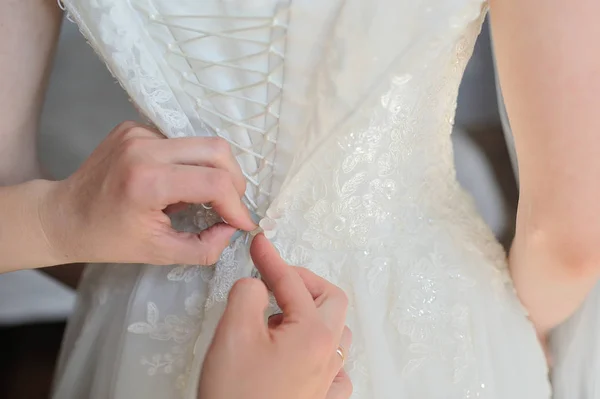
{"type": "Point", "coordinates": [229, 66]}
{"type": "Point", "coordinates": [225, 62]}
{"type": "Point", "coordinates": [340, 114]}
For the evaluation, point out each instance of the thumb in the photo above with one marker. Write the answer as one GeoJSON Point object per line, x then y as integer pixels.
{"type": "Point", "coordinates": [245, 310]}
{"type": "Point", "coordinates": [204, 248]}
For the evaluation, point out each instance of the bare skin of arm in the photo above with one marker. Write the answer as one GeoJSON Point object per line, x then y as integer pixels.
{"type": "Point", "coordinates": [29, 30]}
{"type": "Point", "coordinates": [115, 207]}
{"type": "Point", "coordinates": [550, 75]}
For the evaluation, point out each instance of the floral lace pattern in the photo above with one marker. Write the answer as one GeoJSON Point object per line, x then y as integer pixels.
{"type": "Point", "coordinates": [373, 206]}
{"type": "Point", "coordinates": [366, 205]}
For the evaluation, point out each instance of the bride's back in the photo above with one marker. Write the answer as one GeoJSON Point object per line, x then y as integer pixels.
{"type": "Point", "coordinates": [340, 113]}
{"type": "Point", "coordinates": [281, 79]}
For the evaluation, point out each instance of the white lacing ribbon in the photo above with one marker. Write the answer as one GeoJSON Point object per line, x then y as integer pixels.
{"type": "Point", "coordinates": [197, 64]}
{"type": "Point", "coordinates": [263, 148]}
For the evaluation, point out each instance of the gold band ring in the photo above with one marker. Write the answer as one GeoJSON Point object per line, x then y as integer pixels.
{"type": "Point", "coordinates": [341, 354]}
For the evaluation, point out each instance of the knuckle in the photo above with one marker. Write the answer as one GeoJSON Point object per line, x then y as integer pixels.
{"type": "Point", "coordinates": [137, 130]}
{"type": "Point", "coordinates": [134, 131]}
{"type": "Point", "coordinates": [349, 334]}
{"type": "Point", "coordinates": [247, 285]}
{"type": "Point", "coordinates": [141, 179]}
{"type": "Point", "coordinates": [248, 293]}
{"type": "Point", "coordinates": [338, 296]}
{"type": "Point", "coordinates": [124, 128]}
{"type": "Point", "coordinates": [208, 256]}
{"type": "Point", "coordinates": [222, 156]}
{"type": "Point", "coordinates": [221, 149]}
{"type": "Point", "coordinates": [219, 181]}
{"type": "Point", "coordinates": [342, 297]}
{"type": "Point", "coordinates": [305, 273]}
{"type": "Point", "coordinates": [131, 147]}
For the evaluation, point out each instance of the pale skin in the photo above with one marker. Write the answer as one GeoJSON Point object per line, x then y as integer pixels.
{"type": "Point", "coordinates": [115, 208]}
{"type": "Point", "coordinates": [301, 341]}
{"type": "Point", "coordinates": [550, 77]}
{"type": "Point", "coordinates": [29, 30]}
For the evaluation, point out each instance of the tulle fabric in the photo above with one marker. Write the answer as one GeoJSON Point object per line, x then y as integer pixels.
{"type": "Point", "coordinates": [350, 167]}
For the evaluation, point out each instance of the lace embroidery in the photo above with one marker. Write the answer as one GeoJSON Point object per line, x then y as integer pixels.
{"type": "Point", "coordinates": [254, 74]}
{"type": "Point", "coordinates": [327, 221]}
{"type": "Point", "coordinates": [430, 307]}
{"type": "Point", "coordinates": [179, 329]}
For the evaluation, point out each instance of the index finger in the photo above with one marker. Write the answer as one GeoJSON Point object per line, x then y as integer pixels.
{"type": "Point", "coordinates": [287, 286]}
{"type": "Point", "coordinates": [202, 185]}
{"type": "Point", "coordinates": [330, 300]}
{"type": "Point", "coordinates": [202, 151]}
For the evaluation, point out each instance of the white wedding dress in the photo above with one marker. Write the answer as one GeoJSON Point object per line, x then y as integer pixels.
{"type": "Point", "coordinates": [340, 112]}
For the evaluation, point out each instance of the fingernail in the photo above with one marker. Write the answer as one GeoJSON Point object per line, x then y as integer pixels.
{"type": "Point", "coordinates": [235, 236]}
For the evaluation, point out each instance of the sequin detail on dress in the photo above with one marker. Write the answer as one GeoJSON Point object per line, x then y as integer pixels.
{"type": "Point", "coordinates": [359, 187]}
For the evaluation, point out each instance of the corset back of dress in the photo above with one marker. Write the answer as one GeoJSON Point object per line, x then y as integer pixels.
{"type": "Point", "coordinates": [340, 114]}
{"type": "Point", "coordinates": [278, 79]}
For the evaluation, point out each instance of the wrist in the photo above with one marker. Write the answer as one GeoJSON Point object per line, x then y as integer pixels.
{"type": "Point", "coordinates": [54, 222]}
{"type": "Point", "coordinates": [24, 242]}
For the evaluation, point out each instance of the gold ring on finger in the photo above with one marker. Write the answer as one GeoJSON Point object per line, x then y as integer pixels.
{"type": "Point", "coordinates": [341, 353]}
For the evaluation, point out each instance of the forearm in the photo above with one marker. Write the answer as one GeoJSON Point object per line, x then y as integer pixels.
{"type": "Point", "coordinates": [23, 241]}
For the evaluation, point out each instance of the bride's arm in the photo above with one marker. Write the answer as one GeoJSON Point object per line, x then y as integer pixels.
{"type": "Point", "coordinates": [28, 36]}
{"type": "Point", "coordinates": [549, 65]}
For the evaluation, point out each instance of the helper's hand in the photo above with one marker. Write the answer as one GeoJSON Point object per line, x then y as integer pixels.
{"type": "Point", "coordinates": [115, 207]}
{"type": "Point", "coordinates": [294, 356]}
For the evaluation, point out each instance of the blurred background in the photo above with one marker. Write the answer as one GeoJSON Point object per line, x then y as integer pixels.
{"type": "Point", "coordinates": [84, 103]}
